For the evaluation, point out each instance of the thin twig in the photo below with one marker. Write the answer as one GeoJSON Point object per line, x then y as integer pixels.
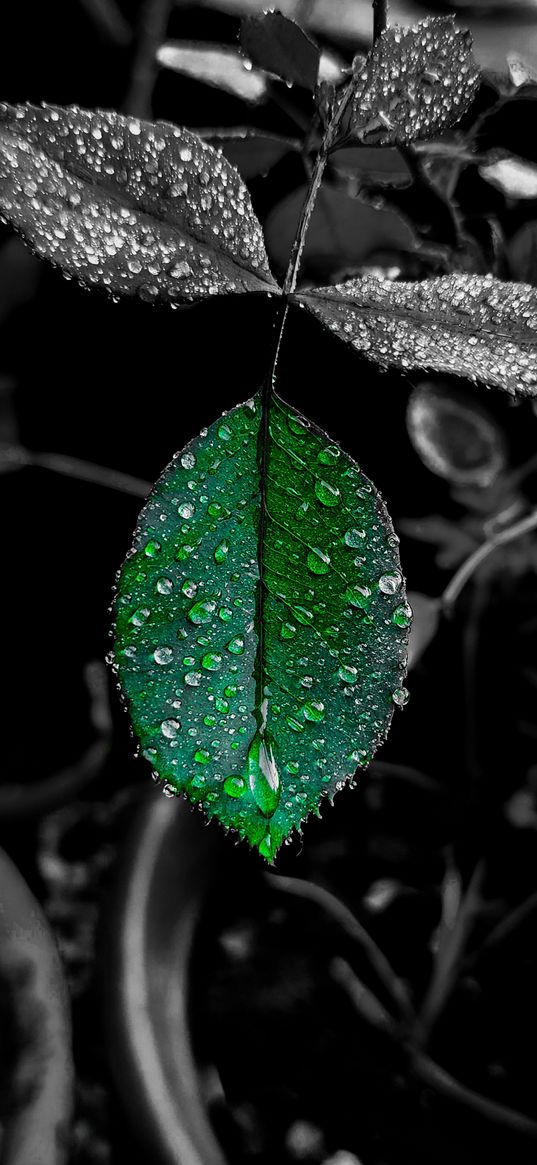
{"type": "Point", "coordinates": [315, 182]}
{"type": "Point", "coordinates": [348, 922]}
{"type": "Point", "coordinates": [468, 568]}
{"type": "Point", "coordinates": [423, 1067]}
{"type": "Point", "coordinates": [152, 30]}
{"type": "Point", "coordinates": [504, 928]}
{"type": "Point", "coordinates": [14, 457]}
{"type": "Point", "coordinates": [448, 958]}
{"type": "Point", "coordinates": [380, 17]}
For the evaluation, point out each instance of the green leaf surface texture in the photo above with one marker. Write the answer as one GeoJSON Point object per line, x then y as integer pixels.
{"type": "Point", "coordinates": [261, 622]}
{"type": "Point", "coordinates": [414, 84]}
{"type": "Point", "coordinates": [139, 208]}
{"type": "Point", "coordinates": [474, 326]}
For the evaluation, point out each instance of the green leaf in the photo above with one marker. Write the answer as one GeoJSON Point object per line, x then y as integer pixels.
{"type": "Point", "coordinates": [415, 83]}
{"type": "Point", "coordinates": [280, 46]}
{"type": "Point", "coordinates": [469, 325]}
{"type": "Point", "coordinates": [133, 206]}
{"type": "Point", "coordinates": [261, 623]}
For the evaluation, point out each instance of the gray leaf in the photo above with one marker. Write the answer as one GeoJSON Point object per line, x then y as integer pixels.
{"type": "Point", "coordinates": [472, 326]}
{"type": "Point", "coordinates": [133, 206]}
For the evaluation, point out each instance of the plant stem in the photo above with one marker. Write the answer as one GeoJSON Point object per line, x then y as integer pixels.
{"type": "Point", "coordinates": [448, 957]}
{"type": "Point", "coordinates": [14, 457]}
{"type": "Point", "coordinates": [152, 31]}
{"type": "Point", "coordinates": [348, 922]}
{"type": "Point", "coordinates": [427, 1070]}
{"type": "Point", "coordinates": [313, 190]}
{"type": "Point", "coordinates": [505, 927]}
{"type": "Point", "coordinates": [380, 17]}
{"type": "Point", "coordinates": [449, 597]}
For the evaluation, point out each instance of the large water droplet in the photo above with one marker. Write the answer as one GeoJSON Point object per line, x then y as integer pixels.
{"type": "Point", "coordinates": [188, 460]}
{"type": "Point", "coordinates": [329, 455]}
{"type": "Point", "coordinates": [152, 548]}
{"type": "Point", "coordinates": [138, 618]}
{"type": "Point", "coordinates": [235, 786]}
{"type": "Point", "coordinates": [287, 631]}
{"type": "Point", "coordinates": [163, 655]}
{"type": "Point", "coordinates": [402, 615]}
{"type": "Point", "coordinates": [193, 679]}
{"type": "Point", "coordinates": [221, 551]}
{"type": "Point", "coordinates": [202, 612]}
{"type": "Point", "coordinates": [236, 645]}
{"type": "Point", "coordinates": [164, 586]}
{"type": "Point", "coordinates": [170, 728]}
{"type": "Point", "coordinates": [401, 697]}
{"type": "Point", "coordinates": [314, 710]}
{"type": "Point", "coordinates": [212, 661]}
{"type": "Point", "coordinates": [327, 494]}
{"type": "Point", "coordinates": [263, 776]}
{"type": "Point", "coordinates": [359, 596]}
{"type": "Point", "coordinates": [202, 756]}
{"type": "Point", "coordinates": [354, 537]}
{"type": "Point", "coordinates": [348, 674]}
{"type": "Point", "coordinates": [318, 562]}
{"type": "Point", "coordinates": [389, 583]}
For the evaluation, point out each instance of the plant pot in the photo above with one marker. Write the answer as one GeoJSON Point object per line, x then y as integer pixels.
{"type": "Point", "coordinates": [147, 994]}
{"type": "Point", "coordinates": [35, 1044]}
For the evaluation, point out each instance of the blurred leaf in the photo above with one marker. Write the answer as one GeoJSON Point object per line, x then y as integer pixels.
{"type": "Point", "coordinates": [109, 19]}
{"type": "Point", "coordinates": [261, 626]}
{"type": "Point", "coordinates": [520, 72]}
{"type": "Point", "coordinates": [415, 83]}
{"type": "Point", "coordinates": [133, 206]}
{"type": "Point", "coordinates": [223, 68]}
{"type": "Point", "coordinates": [426, 613]}
{"type": "Point", "coordinates": [522, 254]}
{"type": "Point", "coordinates": [277, 44]}
{"type": "Point", "coordinates": [20, 273]}
{"type": "Point", "coordinates": [454, 436]}
{"type": "Point", "coordinates": [515, 177]}
{"type": "Point", "coordinates": [468, 325]}
{"type": "Point", "coordinates": [342, 235]}
{"type": "Point", "coordinates": [251, 151]}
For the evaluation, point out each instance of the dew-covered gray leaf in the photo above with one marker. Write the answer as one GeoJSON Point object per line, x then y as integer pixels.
{"type": "Point", "coordinates": [415, 83]}
{"type": "Point", "coordinates": [472, 326]}
{"type": "Point", "coordinates": [133, 206]}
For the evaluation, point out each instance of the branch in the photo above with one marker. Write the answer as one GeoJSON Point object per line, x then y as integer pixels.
{"type": "Point", "coordinates": [313, 190]}
{"type": "Point", "coordinates": [151, 33]}
{"type": "Point", "coordinates": [468, 568]}
{"type": "Point", "coordinates": [453, 938]}
{"type": "Point", "coordinates": [380, 18]}
{"type": "Point", "coordinates": [423, 1067]}
{"type": "Point", "coordinates": [14, 457]}
{"type": "Point", "coordinates": [347, 921]}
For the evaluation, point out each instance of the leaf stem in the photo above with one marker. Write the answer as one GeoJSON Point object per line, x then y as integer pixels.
{"type": "Point", "coordinates": [380, 18]}
{"type": "Point", "coordinates": [313, 190]}
{"type": "Point", "coordinates": [347, 921]}
{"type": "Point", "coordinates": [450, 595]}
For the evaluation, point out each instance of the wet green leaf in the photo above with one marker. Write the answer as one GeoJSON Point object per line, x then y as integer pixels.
{"type": "Point", "coordinates": [133, 206]}
{"type": "Point", "coordinates": [415, 83]}
{"type": "Point", "coordinates": [279, 45]}
{"type": "Point", "coordinates": [261, 622]}
{"type": "Point", "coordinates": [470, 325]}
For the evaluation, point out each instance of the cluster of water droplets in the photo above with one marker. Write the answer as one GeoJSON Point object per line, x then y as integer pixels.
{"type": "Point", "coordinates": [414, 83]}
{"type": "Point", "coordinates": [136, 207]}
{"type": "Point", "coordinates": [473, 326]}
